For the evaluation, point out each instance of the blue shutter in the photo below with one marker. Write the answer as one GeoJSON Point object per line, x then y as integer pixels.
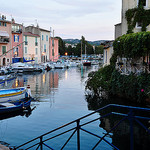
{"type": "Point", "coordinates": [18, 38]}
{"type": "Point", "coordinates": [14, 38]}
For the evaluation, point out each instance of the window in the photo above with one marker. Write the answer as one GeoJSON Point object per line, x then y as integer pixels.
{"type": "Point", "coordinates": [36, 43]}
{"type": "Point", "coordinates": [16, 38]}
{"type": "Point", "coordinates": [25, 50]}
{"type": "Point", "coordinates": [0, 24]}
{"type": "Point", "coordinates": [15, 51]}
{"type": "Point", "coordinates": [36, 51]}
{"type": "Point", "coordinates": [3, 49]}
{"type": "Point", "coordinates": [35, 39]}
{"type": "Point", "coordinates": [42, 37]}
{"type": "Point", "coordinates": [44, 47]}
{"type": "Point", "coordinates": [8, 60]}
{"type": "Point", "coordinates": [26, 42]}
{"type": "Point", "coordinates": [46, 37]}
{"type": "Point", "coordinates": [139, 24]}
{"type": "Point", "coordinates": [5, 24]}
{"type": "Point", "coordinates": [142, 2]}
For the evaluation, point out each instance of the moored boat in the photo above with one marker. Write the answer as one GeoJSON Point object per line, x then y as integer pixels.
{"type": "Point", "coordinates": [7, 95]}
{"type": "Point", "coordinates": [11, 107]}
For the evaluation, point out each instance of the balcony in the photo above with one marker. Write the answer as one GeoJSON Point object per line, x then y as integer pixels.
{"type": "Point", "coordinates": [36, 43]}
{"type": "Point", "coordinates": [4, 40]}
{"type": "Point", "coordinates": [17, 31]}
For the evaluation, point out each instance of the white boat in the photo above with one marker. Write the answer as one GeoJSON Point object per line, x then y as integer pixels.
{"type": "Point", "coordinates": [59, 65]}
{"type": "Point", "coordinates": [22, 67]}
{"type": "Point", "coordinates": [7, 95]}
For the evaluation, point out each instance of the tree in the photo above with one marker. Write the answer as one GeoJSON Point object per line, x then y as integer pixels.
{"type": "Point", "coordinates": [99, 49]}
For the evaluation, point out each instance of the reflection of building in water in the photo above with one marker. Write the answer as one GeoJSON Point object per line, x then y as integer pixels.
{"type": "Point", "coordinates": [43, 83]}
{"type": "Point", "coordinates": [19, 82]}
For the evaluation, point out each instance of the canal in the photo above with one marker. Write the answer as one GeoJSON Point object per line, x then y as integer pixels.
{"type": "Point", "coordinates": [60, 98]}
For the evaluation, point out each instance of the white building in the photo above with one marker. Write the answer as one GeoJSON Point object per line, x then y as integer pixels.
{"type": "Point", "coordinates": [44, 37]}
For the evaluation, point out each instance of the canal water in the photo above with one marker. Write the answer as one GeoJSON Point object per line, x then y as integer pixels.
{"type": "Point", "coordinates": [60, 98]}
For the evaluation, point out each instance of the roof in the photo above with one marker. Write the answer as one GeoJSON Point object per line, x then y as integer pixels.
{"type": "Point", "coordinates": [108, 44]}
{"type": "Point", "coordinates": [2, 20]}
{"type": "Point", "coordinates": [30, 34]}
{"type": "Point", "coordinates": [44, 30]}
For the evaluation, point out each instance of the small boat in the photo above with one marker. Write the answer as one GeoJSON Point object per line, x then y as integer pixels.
{"type": "Point", "coordinates": [11, 107]}
{"type": "Point", "coordinates": [86, 63]}
{"type": "Point", "coordinates": [7, 95]}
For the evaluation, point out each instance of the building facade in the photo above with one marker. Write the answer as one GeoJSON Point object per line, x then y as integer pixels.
{"type": "Point", "coordinates": [130, 4]}
{"type": "Point", "coordinates": [53, 55]}
{"type": "Point", "coordinates": [32, 47]}
{"type": "Point", "coordinates": [5, 41]}
{"type": "Point", "coordinates": [45, 44]}
{"type": "Point", "coordinates": [17, 41]}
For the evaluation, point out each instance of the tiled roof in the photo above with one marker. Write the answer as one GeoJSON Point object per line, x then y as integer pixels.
{"type": "Point", "coordinates": [30, 34]}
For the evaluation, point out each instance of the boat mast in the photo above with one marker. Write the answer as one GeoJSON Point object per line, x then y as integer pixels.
{"type": "Point", "coordinates": [81, 50]}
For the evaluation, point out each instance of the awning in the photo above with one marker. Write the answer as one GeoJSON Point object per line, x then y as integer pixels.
{"type": "Point", "coordinates": [4, 33]}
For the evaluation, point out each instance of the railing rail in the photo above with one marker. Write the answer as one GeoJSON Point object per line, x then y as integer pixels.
{"type": "Point", "coordinates": [77, 126]}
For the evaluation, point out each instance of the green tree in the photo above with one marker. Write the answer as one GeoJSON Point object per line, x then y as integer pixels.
{"type": "Point", "coordinates": [99, 49]}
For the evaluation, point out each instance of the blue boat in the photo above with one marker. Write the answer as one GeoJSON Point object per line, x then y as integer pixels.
{"type": "Point", "coordinates": [11, 107]}
{"type": "Point", "coordinates": [7, 95]}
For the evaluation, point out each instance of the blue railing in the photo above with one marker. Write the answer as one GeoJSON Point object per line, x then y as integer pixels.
{"type": "Point", "coordinates": [133, 114]}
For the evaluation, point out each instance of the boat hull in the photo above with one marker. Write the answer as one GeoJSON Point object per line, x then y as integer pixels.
{"type": "Point", "coordinates": [7, 95]}
{"type": "Point", "coordinates": [20, 105]}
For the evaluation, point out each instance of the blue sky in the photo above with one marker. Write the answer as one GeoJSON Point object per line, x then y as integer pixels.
{"type": "Point", "coordinates": [93, 19]}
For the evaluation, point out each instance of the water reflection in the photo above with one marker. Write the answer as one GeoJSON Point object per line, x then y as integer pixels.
{"type": "Point", "coordinates": [25, 113]}
{"type": "Point", "coordinates": [121, 135]}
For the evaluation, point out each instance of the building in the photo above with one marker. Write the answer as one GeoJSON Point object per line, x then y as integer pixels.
{"type": "Point", "coordinates": [48, 44]}
{"type": "Point", "coordinates": [122, 27]}
{"type": "Point", "coordinates": [127, 26]}
{"type": "Point", "coordinates": [53, 55]}
{"type": "Point", "coordinates": [108, 51]}
{"type": "Point", "coordinates": [5, 41]}
{"type": "Point", "coordinates": [17, 41]}
{"type": "Point", "coordinates": [32, 47]}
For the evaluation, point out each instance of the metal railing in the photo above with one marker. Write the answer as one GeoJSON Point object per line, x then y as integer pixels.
{"type": "Point", "coordinates": [132, 115]}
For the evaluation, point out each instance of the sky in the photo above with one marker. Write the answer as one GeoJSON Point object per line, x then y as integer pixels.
{"type": "Point", "coordinates": [70, 19]}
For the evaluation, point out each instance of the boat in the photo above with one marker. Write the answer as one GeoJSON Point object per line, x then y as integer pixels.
{"type": "Point", "coordinates": [86, 63]}
{"type": "Point", "coordinates": [22, 67]}
{"type": "Point", "coordinates": [11, 107]}
{"type": "Point", "coordinates": [7, 95]}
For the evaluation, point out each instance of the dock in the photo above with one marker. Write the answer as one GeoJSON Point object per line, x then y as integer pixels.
{"type": "Point", "coordinates": [2, 147]}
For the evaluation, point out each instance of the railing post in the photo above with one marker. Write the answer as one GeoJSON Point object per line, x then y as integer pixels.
{"type": "Point", "coordinates": [41, 142]}
{"type": "Point", "coordinates": [131, 130]}
{"type": "Point", "coordinates": [78, 134]}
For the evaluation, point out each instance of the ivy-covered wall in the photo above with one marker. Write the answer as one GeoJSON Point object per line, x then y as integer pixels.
{"type": "Point", "coordinates": [138, 14]}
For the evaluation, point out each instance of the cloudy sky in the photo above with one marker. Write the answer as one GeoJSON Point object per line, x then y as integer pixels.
{"type": "Point", "coordinates": [93, 19]}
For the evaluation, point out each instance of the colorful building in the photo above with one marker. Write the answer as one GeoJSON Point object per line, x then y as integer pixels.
{"type": "Point", "coordinates": [53, 55]}
{"type": "Point", "coordinates": [5, 41]}
{"type": "Point", "coordinates": [17, 41]}
{"type": "Point", "coordinates": [32, 47]}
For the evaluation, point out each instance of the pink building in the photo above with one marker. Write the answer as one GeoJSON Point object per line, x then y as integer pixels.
{"type": "Point", "coordinates": [54, 54]}
{"type": "Point", "coordinates": [5, 41]}
{"type": "Point", "coordinates": [17, 40]}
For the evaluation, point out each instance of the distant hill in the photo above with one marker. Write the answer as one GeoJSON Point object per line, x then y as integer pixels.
{"type": "Point", "coordinates": [76, 41]}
